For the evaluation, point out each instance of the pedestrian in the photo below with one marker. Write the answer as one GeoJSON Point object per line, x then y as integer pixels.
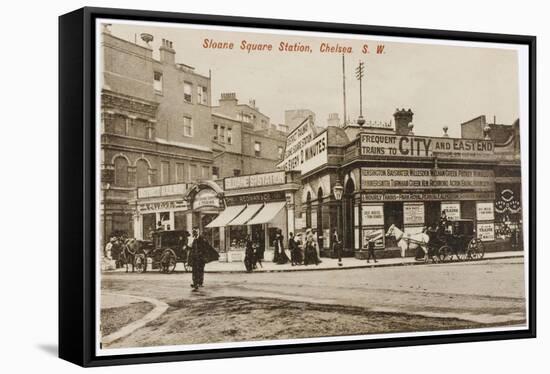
{"type": "Point", "coordinates": [258, 253]}
{"type": "Point", "coordinates": [201, 253]}
{"type": "Point", "coordinates": [337, 246]}
{"type": "Point", "coordinates": [370, 248]}
{"type": "Point", "coordinates": [310, 255]}
{"type": "Point", "coordinates": [294, 250]}
{"type": "Point", "coordinates": [249, 255]}
{"type": "Point", "coordinates": [280, 248]}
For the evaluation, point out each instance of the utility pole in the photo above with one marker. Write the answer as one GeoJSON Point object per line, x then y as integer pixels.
{"type": "Point", "coordinates": [359, 73]}
{"type": "Point", "coordinates": [344, 87]}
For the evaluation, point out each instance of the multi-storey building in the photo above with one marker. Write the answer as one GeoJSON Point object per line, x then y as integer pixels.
{"type": "Point", "coordinates": [245, 141]}
{"type": "Point", "coordinates": [156, 127]}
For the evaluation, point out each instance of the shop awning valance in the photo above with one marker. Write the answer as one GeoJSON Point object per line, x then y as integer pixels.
{"type": "Point", "coordinates": [269, 211]}
{"type": "Point", "coordinates": [226, 216]}
{"type": "Point", "coordinates": [246, 215]}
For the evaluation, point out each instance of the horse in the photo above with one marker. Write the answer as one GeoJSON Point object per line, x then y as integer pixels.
{"type": "Point", "coordinates": [128, 254]}
{"type": "Point", "coordinates": [409, 241]}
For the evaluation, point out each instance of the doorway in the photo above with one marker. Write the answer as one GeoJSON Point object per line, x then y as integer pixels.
{"type": "Point", "coordinates": [393, 215]}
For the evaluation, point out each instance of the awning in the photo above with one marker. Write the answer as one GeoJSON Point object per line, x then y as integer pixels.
{"type": "Point", "coordinates": [227, 215]}
{"type": "Point", "coordinates": [245, 216]}
{"type": "Point", "coordinates": [269, 212]}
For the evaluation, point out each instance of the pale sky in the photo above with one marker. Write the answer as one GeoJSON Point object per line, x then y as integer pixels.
{"type": "Point", "coordinates": [443, 85]}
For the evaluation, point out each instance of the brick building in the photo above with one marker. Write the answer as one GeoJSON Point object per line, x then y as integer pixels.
{"type": "Point", "coordinates": [156, 126]}
{"type": "Point", "coordinates": [244, 140]}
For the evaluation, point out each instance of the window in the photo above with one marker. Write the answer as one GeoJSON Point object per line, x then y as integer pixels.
{"type": "Point", "coordinates": [202, 97]}
{"type": "Point", "coordinates": [164, 172]}
{"type": "Point", "coordinates": [187, 92]}
{"type": "Point", "coordinates": [245, 118]}
{"type": "Point", "coordinates": [236, 172]}
{"type": "Point", "coordinates": [229, 136]}
{"type": "Point", "coordinates": [193, 172]}
{"type": "Point", "coordinates": [157, 82]}
{"type": "Point", "coordinates": [187, 126]}
{"type": "Point", "coordinates": [257, 149]}
{"type": "Point", "coordinates": [180, 175]}
{"type": "Point", "coordinates": [215, 172]}
{"type": "Point", "coordinates": [280, 149]}
{"type": "Point", "coordinates": [222, 134]}
{"type": "Point", "coordinates": [142, 171]}
{"type": "Point", "coordinates": [205, 171]}
{"type": "Point", "coordinates": [121, 172]}
{"type": "Point", "coordinates": [215, 132]}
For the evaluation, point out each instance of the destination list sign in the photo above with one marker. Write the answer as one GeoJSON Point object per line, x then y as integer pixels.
{"type": "Point", "coordinates": [404, 178]}
{"type": "Point", "coordinates": [419, 146]}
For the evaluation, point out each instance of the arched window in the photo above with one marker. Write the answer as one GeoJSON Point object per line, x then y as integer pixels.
{"type": "Point", "coordinates": [121, 172]}
{"type": "Point", "coordinates": [308, 210]}
{"type": "Point", "coordinates": [142, 171]}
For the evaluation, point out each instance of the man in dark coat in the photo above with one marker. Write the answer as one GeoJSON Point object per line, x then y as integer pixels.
{"type": "Point", "coordinates": [201, 253]}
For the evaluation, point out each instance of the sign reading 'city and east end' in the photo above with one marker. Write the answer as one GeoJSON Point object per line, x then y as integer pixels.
{"type": "Point", "coordinates": [256, 180]}
{"type": "Point", "coordinates": [305, 149]}
{"type": "Point", "coordinates": [420, 146]}
{"type": "Point", "coordinates": [406, 178]}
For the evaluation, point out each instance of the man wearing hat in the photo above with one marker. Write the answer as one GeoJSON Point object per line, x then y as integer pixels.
{"type": "Point", "coordinates": [201, 253]}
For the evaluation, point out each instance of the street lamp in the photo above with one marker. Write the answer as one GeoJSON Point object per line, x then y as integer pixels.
{"type": "Point", "coordinates": [338, 190]}
{"type": "Point", "coordinates": [106, 187]}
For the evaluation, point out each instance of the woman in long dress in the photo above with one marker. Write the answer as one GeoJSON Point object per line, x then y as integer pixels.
{"type": "Point", "coordinates": [310, 256]}
{"type": "Point", "coordinates": [279, 248]}
{"type": "Point", "coordinates": [249, 260]}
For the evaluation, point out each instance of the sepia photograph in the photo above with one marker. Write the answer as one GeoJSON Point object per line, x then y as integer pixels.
{"type": "Point", "coordinates": [258, 187]}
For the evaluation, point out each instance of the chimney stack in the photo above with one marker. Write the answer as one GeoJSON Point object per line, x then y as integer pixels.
{"type": "Point", "coordinates": [333, 119]}
{"type": "Point", "coordinates": [167, 52]}
{"type": "Point", "coordinates": [402, 119]}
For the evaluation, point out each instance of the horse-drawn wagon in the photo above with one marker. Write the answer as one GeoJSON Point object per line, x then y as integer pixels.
{"type": "Point", "coordinates": [166, 249]}
{"type": "Point", "coordinates": [453, 240]}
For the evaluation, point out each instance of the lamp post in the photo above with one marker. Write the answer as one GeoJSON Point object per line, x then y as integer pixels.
{"type": "Point", "coordinates": [106, 187]}
{"type": "Point", "coordinates": [338, 190]}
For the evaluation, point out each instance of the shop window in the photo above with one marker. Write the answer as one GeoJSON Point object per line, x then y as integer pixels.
{"type": "Point", "coordinates": [157, 81]}
{"type": "Point", "coordinates": [142, 171]}
{"type": "Point", "coordinates": [148, 226]}
{"type": "Point", "coordinates": [180, 220]}
{"type": "Point", "coordinates": [187, 92]}
{"type": "Point", "coordinates": [121, 172]}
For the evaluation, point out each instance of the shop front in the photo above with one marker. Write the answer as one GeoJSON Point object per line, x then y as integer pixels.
{"type": "Point", "coordinates": [177, 207]}
{"type": "Point", "coordinates": [256, 206]}
{"type": "Point", "coordinates": [411, 182]}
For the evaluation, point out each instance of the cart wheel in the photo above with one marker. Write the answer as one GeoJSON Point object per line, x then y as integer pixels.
{"type": "Point", "coordinates": [476, 249]}
{"type": "Point", "coordinates": [140, 263]}
{"type": "Point", "coordinates": [187, 266]}
{"type": "Point", "coordinates": [168, 261]}
{"type": "Point", "coordinates": [443, 253]}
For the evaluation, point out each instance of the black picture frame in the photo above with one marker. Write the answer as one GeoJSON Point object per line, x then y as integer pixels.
{"type": "Point", "coordinates": [77, 180]}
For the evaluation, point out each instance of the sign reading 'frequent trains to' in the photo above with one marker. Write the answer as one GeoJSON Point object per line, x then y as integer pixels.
{"type": "Point", "coordinates": [419, 146]}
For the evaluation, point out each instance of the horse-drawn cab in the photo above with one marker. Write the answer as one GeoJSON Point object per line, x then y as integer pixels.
{"type": "Point", "coordinates": [166, 249]}
{"type": "Point", "coordinates": [457, 240]}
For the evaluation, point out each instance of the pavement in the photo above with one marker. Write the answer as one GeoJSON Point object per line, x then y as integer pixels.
{"type": "Point", "coordinates": [328, 264]}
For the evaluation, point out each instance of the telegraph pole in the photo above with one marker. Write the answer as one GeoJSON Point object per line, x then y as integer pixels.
{"type": "Point", "coordinates": [359, 73]}
{"type": "Point", "coordinates": [344, 87]}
